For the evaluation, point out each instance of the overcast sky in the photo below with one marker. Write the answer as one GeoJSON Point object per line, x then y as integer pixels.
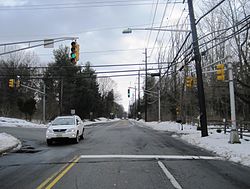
{"type": "Point", "coordinates": [98, 24]}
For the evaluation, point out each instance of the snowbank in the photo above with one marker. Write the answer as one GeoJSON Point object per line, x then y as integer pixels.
{"type": "Point", "coordinates": [7, 142]}
{"type": "Point", "coordinates": [215, 142]}
{"type": "Point", "coordinates": [14, 122]}
{"type": "Point", "coordinates": [100, 120]}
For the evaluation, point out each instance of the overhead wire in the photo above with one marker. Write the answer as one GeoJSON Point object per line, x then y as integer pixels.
{"type": "Point", "coordinates": [153, 20]}
{"type": "Point", "coordinates": [171, 12]}
{"type": "Point", "coordinates": [73, 6]}
{"type": "Point", "coordinates": [223, 31]}
{"type": "Point", "coordinates": [242, 29]}
{"type": "Point", "coordinates": [185, 40]}
{"type": "Point", "coordinates": [166, 46]}
{"type": "Point", "coordinates": [163, 16]}
{"type": "Point", "coordinates": [225, 39]}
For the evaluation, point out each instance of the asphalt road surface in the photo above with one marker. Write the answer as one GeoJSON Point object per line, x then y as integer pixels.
{"type": "Point", "coordinates": [118, 155]}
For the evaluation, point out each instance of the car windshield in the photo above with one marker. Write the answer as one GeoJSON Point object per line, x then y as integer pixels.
{"type": "Point", "coordinates": [64, 121]}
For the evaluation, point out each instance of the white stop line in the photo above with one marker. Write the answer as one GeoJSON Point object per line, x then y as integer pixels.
{"type": "Point", "coordinates": [150, 157]}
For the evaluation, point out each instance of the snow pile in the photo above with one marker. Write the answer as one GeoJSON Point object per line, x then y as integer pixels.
{"type": "Point", "coordinates": [13, 122]}
{"type": "Point", "coordinates": [215, 142]}
{"type": "Point", "coordinates": [7, 142]}
{"type": "Point", "coordinates": [99, 120]}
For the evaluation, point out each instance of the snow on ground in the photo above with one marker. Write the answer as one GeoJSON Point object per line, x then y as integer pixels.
{"type": "Point", "coordinates": [215, 142]}
{"type": "Point", "coordinates": [14, 122]}
{"type": "Point", "coordinates": [7, 142]}
{"type": "Point", "coordinates": [99, 120]}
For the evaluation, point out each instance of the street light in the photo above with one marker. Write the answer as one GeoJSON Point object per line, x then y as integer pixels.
{"type": "Point", "coordinates": [129, 30]}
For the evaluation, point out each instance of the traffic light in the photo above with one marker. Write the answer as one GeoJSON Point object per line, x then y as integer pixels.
{"type": "Point", "coordinates": [177, 110]}
{"type": "Point", "coordinates": [18, 83]}
{"type": "Point", "coordinates": [73, 52]}
{"type": "Point", "coordinates": [77, 52]}
{"type": "Point", "coordinates": [11, 83]}
{"type": "Point", "coordinates": [128, 93]}
{"type": "Point", "coordinates": [220, 72]}
{"type": "Point", "coordinates": [189, 82]}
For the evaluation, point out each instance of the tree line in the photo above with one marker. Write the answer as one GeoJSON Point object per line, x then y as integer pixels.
{"type": "Point", "coordinates": [67, 87]}
{"type": "Point", "coordinates": [221, 33]}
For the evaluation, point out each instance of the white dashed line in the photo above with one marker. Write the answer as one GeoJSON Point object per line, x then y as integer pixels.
{"type": "Point", "coordinates": [169, 175]}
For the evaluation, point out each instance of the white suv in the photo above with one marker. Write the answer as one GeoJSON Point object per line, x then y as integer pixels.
{"type": "Point", "coordinates": [65, 127]}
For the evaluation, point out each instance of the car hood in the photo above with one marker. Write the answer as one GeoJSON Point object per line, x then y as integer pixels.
{"type": "Point", "coordinates": [62, 126]}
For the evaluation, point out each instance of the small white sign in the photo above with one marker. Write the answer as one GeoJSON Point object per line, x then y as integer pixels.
{"type": "Point", "coordinates": [48, 43]}
{"type": "Point", "coordinates": [73, 111]}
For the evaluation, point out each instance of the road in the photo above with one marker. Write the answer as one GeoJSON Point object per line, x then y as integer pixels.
{"type": "Point", "coordinates": [118, 155]}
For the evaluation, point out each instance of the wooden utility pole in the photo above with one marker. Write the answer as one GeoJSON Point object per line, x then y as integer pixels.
{"type": "Point", "coordinates": [197, 58]}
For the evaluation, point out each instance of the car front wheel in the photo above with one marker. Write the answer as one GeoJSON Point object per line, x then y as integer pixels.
{"type": "Point", "coordinates": [49, 142]}
{"type": "Point", "coordinates": [81, 137]}
{"type": "Point", "coordinates": [76, 140]}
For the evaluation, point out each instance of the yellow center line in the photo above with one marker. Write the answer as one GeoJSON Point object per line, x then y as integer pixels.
{"type": "Point", "coordinates": [64, 170]}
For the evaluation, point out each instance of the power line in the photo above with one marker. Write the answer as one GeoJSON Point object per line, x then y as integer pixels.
{"type": "Point", "coordinates": [77, 3]}
{"type": "Point", "coordinates": [91, 66]}
{"type": "Point", "coordinates": [180, 49]}
{"type": "Point", "coordinates": [61, 76]}
{"type": "Point", "coordinates": [103, 51]}
{"type": "Point", "coordinates": [153, 20]}
{"type": "Point", "coordinates": [23, 8]}
{"type": "Point", "coordinates": [220, 34]}
{"type": "Point", "coordinates": [162, 43]}
{"type": "Point", "coordinates": [164, 12]}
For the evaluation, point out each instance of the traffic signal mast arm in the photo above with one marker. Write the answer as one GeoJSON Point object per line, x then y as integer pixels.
{"type": "Point", "coordinates": [36, 90]}
{"type": "Point", "coordinates": [55, 40]}
{"type": "Point", "coordinates": [216, 62]}
{"type": "Point", "coordinates": [219, 70]}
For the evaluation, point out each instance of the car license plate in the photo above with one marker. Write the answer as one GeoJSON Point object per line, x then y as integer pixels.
{"type": "Point", "coordinates": [59, 135]}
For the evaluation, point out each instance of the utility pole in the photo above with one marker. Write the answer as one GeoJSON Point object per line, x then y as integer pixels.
{"type": "Point", "coordinates": [159, 99]}
{"type": "Point", "coordinates": [135, 103]}
{"type": "Point", "coordinates": [44, 104]}
{"type": "Point", "coordinates": [146, 86]}
{"type": "Point", "coordinates": [159, 91]}
{"type": "Point", "coordinates": [138, 104]}
{"type": "Point", "coordinates": [61, 97]}
{"type": "Point", "coordinates": [234, 136]}
{"type": "Point", "coordinates": [197, 57]}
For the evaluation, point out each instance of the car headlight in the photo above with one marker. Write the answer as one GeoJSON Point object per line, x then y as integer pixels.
{"type": "Point", "coordinates": [71, 130]}
{"type": "Point", "coordinates": [50, 130]}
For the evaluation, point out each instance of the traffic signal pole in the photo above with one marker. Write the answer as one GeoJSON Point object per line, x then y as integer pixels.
{"type": "Point", "coordinates": [41, 92]}
{"type": "Point", "coordinates": [197, 57]}
{"type": "Point", "coordinates": [234, 136]}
